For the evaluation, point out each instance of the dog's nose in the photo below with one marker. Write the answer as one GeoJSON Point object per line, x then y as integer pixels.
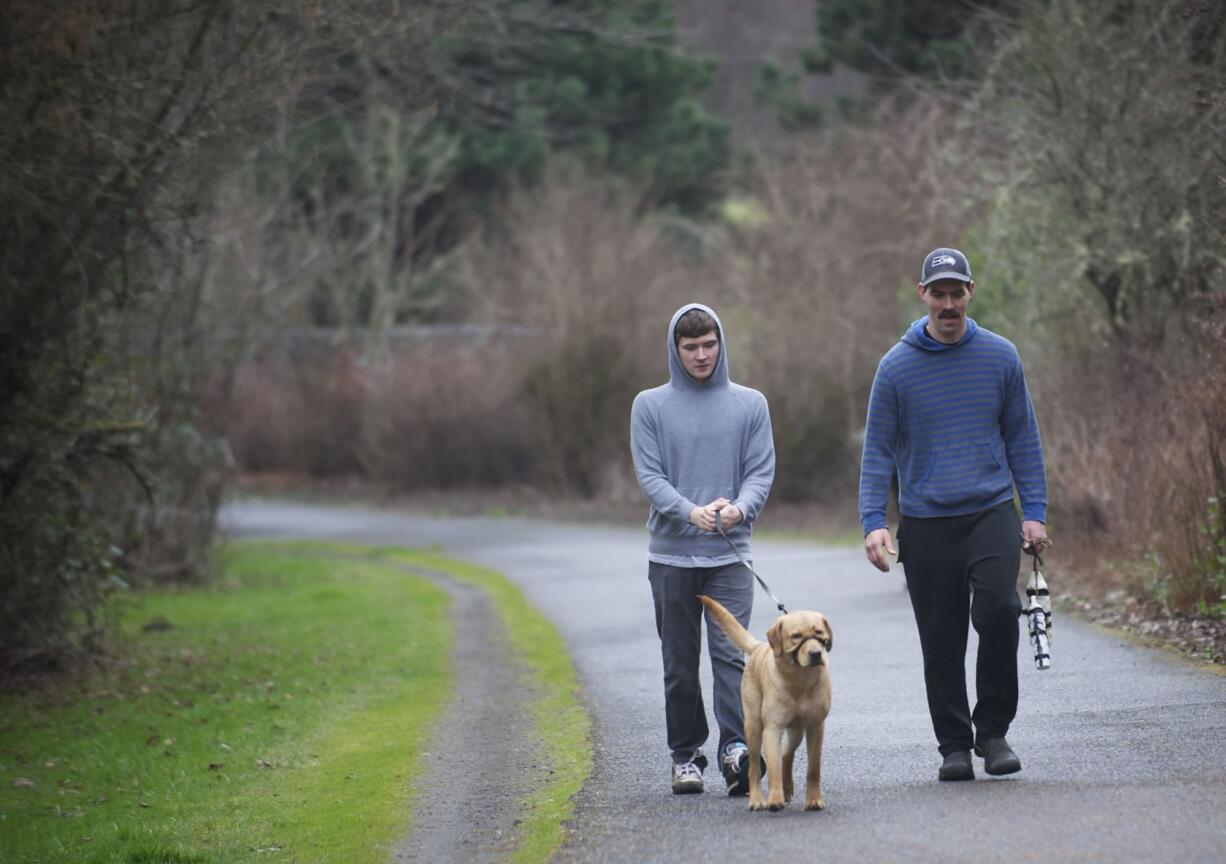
{"type": "Point", "coordinates": [817, 658]}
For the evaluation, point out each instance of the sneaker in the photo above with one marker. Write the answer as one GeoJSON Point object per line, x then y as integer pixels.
{"type": "Point", "coordinates": [687, 778]}
{"type": "Point", "coordinates": [998, 756]}
{"type": "Point", "coordinates": [735, 768]}
{"type": "Point", "coordinates": [957, 766]}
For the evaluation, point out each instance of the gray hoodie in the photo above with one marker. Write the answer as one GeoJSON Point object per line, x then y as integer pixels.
{"type": "Point", "coordinates": [694, 442]}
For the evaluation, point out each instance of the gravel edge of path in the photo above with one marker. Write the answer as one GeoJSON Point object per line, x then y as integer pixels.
{"type": "Point", "coordinates": [481, 753]}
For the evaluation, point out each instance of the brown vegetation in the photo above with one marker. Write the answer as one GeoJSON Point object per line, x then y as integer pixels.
{"type": "Point", "coordinates": [1105, 254]}
{"type": "Point", "coordinates": [190, 183]}
{"type": "Point", "coordinates": [573, 294]}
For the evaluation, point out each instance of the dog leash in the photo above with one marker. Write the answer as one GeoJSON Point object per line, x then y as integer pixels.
{"type": "Point", "coordinates": [720, 528]}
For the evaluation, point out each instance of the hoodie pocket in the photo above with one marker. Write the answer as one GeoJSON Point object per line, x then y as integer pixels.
{"type": "Point", "coordinates": [964, 474]}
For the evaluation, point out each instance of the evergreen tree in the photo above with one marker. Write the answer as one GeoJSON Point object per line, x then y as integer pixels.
{"type": "Point", "coordinates": [604, 80]}
{"type": "Point", "coordinates": [887, 38]}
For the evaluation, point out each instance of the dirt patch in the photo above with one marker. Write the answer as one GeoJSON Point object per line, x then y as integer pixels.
{"type": "Point", "coordinates": [479, 759]}
{"type": "Point", "coordinates": [1202, 639]}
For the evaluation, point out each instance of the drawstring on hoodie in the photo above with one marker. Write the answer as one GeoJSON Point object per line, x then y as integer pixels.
{"type": "Point", "coordinates": [720, 528]}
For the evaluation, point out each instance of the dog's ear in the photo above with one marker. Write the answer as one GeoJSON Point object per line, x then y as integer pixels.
{"type": "Point", "coordinates": [775, 637]}
{"type": "Point", "coordinates": [829, 633]}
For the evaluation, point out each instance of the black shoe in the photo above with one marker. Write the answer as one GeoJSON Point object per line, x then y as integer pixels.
{"type": "Point", "coordinates": [957, 766]}
{"type": "Point", "coordinates": [735, 768]}
{"type": "Point", "coordinates": [998, 756]}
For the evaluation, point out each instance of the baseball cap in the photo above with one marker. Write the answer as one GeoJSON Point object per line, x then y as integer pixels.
{"type": "Point", "coordinates": [945, 263]}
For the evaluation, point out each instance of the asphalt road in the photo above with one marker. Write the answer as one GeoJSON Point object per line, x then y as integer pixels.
{"type": "Point", "coordinates": [1123, 747]}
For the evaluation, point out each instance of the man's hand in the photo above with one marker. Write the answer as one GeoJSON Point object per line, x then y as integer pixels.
{"type": "Point", "coordinates": [1033, 534]}
{"type": "Point", "coordinates": [876, 545]}
{"type": "Point", "coordinates": [704, 517]}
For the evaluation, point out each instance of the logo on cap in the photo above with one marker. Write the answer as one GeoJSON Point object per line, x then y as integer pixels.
{"type": "Point", "coordinates": [938, 260]}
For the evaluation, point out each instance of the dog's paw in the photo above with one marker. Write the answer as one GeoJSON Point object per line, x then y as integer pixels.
{"type": "Point", "coordinates": [759, 804]}
{"type": "Point", "coordinates": [816, 804]}
{"type": "Point", "coordinates": [774, 806]}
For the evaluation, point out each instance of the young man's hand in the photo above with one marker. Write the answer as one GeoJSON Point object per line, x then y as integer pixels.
{"type": "Point", "coordinates": [704, 517]}
{"type": "Point", "coordinates": [729, 515]}
{"type": "Point", "coordinates": [877, 544]}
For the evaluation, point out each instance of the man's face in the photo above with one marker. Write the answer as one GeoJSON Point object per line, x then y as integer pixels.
{"type": "Point", "coordinates": [699, 353]}
{"type": "Point", "coordinates": [947, 300]}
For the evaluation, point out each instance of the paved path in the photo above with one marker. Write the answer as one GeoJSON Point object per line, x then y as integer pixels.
{"type": "Point", "coordinates": [1124, 748]}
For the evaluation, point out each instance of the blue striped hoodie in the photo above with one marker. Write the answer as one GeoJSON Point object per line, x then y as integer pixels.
{"type": "Point", "coordinates": [957, 423]}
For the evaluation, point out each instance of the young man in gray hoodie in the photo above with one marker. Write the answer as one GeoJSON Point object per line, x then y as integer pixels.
{"type": "Point", "coordinates": [702, 445]}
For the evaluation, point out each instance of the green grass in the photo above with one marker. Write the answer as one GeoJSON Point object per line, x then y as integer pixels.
{"type": "Point", "coordinates": [277, 720]}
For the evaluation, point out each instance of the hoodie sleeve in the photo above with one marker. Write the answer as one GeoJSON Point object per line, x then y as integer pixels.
{"type": "Point", "coordinates": [1023, 447]}
{"type": "Point", "coordinates": [649, 463]}
{"type": "Point", "coordinates": [758, 460]}
{"type": "Point", "coordinates": [877, 458]}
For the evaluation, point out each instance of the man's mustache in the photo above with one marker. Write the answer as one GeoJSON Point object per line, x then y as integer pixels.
{"type": "Point", "coordinates": [949, 314]}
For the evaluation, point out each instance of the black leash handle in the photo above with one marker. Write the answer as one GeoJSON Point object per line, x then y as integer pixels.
{"type": "Point", "coordinates": [737, 552]}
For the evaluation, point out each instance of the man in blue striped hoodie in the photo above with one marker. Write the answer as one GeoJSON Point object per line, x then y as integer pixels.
{"type": "Point", "coordinates": [950, 412]}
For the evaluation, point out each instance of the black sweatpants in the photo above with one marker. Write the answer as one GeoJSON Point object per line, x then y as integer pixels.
{"type": "Point", "coordinates": [679, 615]}
{"type": "Point", "coordinates": [955, 567]}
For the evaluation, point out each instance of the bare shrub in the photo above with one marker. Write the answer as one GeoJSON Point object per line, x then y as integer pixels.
{"type": "Point", "coordinates": [1135, 453]}
{"type": "Point", "coordinates": [1104, 232]}
{"type": "Point", "coordinates": [446, 416]}
{"type": "Point", "coordinates": [806, 272]}
{"type": "Point", "coordinates": [846, 217]}
{"type": "Point", "coordinates": [298, 412]}
{"type": "Point", "coordinates": [1188, 537]}
{"type": "Point", "coordinates": [594, 284]}
{"type": "Point", "coordinates": [806, 284]}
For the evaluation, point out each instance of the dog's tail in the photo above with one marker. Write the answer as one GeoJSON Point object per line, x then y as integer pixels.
{"type": "Point", "coordinates": [739, 635]}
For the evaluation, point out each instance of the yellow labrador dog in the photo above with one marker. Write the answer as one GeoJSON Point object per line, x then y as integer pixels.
{"type": "Point", "coordinates": [785, 691]}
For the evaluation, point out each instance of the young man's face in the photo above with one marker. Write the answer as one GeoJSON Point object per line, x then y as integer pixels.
{"type": "Point", "coordinates": [699, 353]}
{"type": "Point", "coordinates": [947, 300]}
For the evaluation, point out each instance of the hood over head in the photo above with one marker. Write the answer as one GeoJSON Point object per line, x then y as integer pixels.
{"type": "Point", "coordinates": [917, 337]}
{"type": "Point", "coordinates": [678, 377]}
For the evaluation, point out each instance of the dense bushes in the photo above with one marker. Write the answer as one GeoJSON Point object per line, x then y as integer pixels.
{"type": "Point", "coordinates": [1096, 141]}
{"type": "Point", "coordinates": [113, 114]}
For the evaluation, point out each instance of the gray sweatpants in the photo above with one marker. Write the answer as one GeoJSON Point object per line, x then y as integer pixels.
{"type": "Point", "coordinates": [679, 616]}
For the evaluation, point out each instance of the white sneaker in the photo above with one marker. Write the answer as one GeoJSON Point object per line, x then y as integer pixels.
{"type": "Point", "coordinates": [687, 778]}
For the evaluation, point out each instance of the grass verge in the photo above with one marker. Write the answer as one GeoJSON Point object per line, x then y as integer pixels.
{"type": "Point", "coordinates": [273, 716]}
{"type": "Point", "coordinates": [563, 728]}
